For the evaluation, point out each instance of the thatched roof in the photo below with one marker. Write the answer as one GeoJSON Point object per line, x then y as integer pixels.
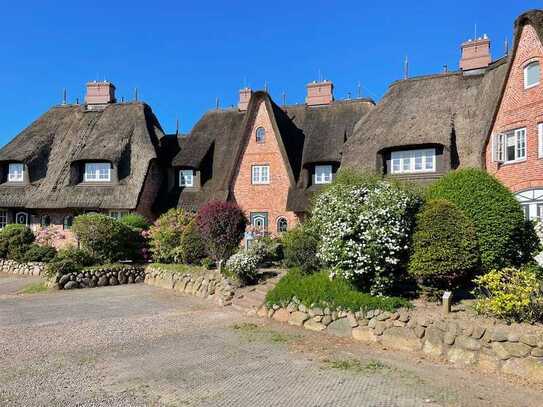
{"type": "Point", "coordinates": [438, 109]}
{"type": "Point", "coordinates": [125, 134]}
{"type": "Point", "coordinates": [306, 135]}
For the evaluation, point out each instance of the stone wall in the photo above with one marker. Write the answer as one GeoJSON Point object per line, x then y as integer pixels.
{"type": "Point", "coordinates": [460, 342]}
{"type": "Point", "coordinates": [100, 276]}
{"type": "Point", "coordinates": [205, 284]}
{"type": "Point", "coordinates": [11, 266]}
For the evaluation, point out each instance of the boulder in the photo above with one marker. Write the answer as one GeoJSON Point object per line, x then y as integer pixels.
{"type": "Point", "coordinates": [297, 318]}
{"type": "Point", "coordinates": [70, 285]}
{"type": "Point", "coordinates": [364, 334]}
{"type": "Point", "coordinates": [468, 343]}
{"type": "Point", "coordinates": [530, 368]}
{"type": "Point", "coordinates": [460, 356]}
{"type": "Point", "coordinates": [312, 325]}
{"type": "Point", "coordinates": [281, 315]}
{"type": "Point", "coordinates": [340, 327]}
{"type": "Point", "coordinates": [401, 339]}
{"type": "Point", "coordinates": [102, 281]}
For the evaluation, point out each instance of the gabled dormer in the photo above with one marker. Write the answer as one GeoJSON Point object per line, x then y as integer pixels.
{"type": "Point", "coordinates": [93, 173]}
{"type": "Point", "coordinates": [14, 173]}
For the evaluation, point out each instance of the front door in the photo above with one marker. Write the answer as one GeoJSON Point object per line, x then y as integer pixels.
{"type": "Point", "coordinates": [259, 221]}
{"type": "Point", "coordinates": [21, 218]}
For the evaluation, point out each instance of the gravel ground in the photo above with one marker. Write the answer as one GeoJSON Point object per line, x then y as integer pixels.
{"type": "Point", "coordinates": [10, 283]}
{"type": "Point", "coordinates": [142, 346]}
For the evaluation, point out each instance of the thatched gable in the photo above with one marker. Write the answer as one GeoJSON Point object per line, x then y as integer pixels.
{"type": "Point", "coordinates": [307, 135]}
{"type": "Point", "coordinates": [126, 135]}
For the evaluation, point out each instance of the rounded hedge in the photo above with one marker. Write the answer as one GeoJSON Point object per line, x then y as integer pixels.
{"type": "Point", "coordinates": [444, 251]}
{"type": "Point", "coordinates": [504, 236]}
{"type": "Point", "coordinates": [15, 240]}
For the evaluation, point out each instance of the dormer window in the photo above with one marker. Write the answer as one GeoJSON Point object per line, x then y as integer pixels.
{"type": "Point", "coordinates": [532, 73]}
{"type": "Point", "coordinates": [186, 178]}
{"type": "Point", "coordinates": [323, 174]}
{"type": "Point", "coordinates": [16, 172]}
{"type": "Point", "coordinates": [97, 172]}
{"type": "Point", "coordinates": [260, 135]}
{"type": "Point", "coordinates": [413, 161]}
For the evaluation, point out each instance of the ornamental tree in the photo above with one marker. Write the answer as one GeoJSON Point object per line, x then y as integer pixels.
{"type": "Point", "coordinates": [365, 225]}
{"type": "Point", "coordinates": [221, 226]}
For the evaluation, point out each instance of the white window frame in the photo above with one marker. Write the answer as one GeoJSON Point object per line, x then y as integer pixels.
{"type": "Point", "coordinates": [259, 176]}
{"type": "Point", "coordinates": [528, 65]}
{"type": "Point", "coordinates": [540, 140]}
{"type": "Point", "coordinates": [325, 176]}
{"type": "Point", "coordinates": [499, 147]}
{"type": "Point", "coordinates": [118, 214]}
{"type": "Point", "coordinates": [3, 218]}
{"type": "Point", "coordinates": [97, 174]}
{"type": "Point", "coordinates": [406, 160]}
{"type": "Point", "coordinates": [280, 220]}
{"type": "Point", "coordinates": [262, 130]}
{"type": "Point", "coordinates": [27, 218]}
{"type": "Point", "coordinates": [186, 178]}
{"type": "Point", "coordinates": [16, 175]}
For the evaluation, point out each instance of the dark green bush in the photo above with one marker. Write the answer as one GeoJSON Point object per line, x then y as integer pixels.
{"type": "Point", "coordinates": [41, 253]}
{"type": "Point", "coordinates": [300, 249]}
{"type": "Point", "coordinates": [318, 290]}
{"type": "Point", "coordinates": [444, 252]}
{"type": "Point", "coordinates": [191, 249]}
{"type": "Point", "coordinates": [504, 237]}
{"type": "Point", "coordinates": [15, 240]}
{"type": "Point", "coordinates": [106, 238]}
{"type": "Point", "coordinates": [68, 260]}
{"type": "Point", "coordinates": [136, 221]}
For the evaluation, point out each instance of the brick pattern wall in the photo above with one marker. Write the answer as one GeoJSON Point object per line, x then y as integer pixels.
{"type": "Point", "coordinates": [272, 197]}
{"type": "Point", "coordinates": [521, 108]}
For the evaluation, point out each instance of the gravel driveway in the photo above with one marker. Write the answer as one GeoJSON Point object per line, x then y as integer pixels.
{"type": "Point", "coordinates": [143, 346]}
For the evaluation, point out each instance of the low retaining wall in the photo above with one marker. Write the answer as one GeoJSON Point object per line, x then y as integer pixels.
{"type": "Point", "coordinates": [461, 342]}
{"type": "Point", "coordinates": [100, 276]}
{"type": "Point", "coordinates": [11, 266]}
{"type": "Point", "coordinates": [207, 284]}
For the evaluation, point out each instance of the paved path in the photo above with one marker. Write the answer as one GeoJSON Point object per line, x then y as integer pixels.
{"type": "Point", "coordinates": [143, 346]}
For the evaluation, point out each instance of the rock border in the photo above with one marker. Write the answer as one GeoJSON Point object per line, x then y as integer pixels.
{"type": "Point", "coordinates": [29, 269]}
{"type": "Point", "coordinates": [101, 276]}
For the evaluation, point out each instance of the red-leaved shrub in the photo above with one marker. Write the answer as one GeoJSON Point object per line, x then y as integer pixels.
{"type": "Point", "coordinates": [221, 225]}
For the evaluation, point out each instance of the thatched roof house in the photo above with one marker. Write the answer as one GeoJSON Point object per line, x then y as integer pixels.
{"type": "Point", "coordinates": [308, 135]}
{"type": "Point", "coordinates": [54, 149]}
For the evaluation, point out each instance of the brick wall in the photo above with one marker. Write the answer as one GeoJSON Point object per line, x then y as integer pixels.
{"type": "Point", "coordinates": [272, 197]}
{"type": "Point", "coordinates": [521, 108]}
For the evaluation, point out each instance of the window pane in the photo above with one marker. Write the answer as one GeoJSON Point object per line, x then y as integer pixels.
{"type": "Point", "coordinates": [406, 165]}
{"type": "Point", "coordinates": [510, 147]}
{"type": "Point", "coordinates": [532, 74]}
{"type": "Point", "coordinates": [97, 172]}
{"type": "Point", "coordinates": [418, 160]}
{"type": "Point", "coordinates": [521, 143]}
{"type": "Point", "coordinates": [323, 174]}
{"type": "Point", "coordinates": [3, 218]}
{"type": "Point", "coordinates": [15, 172]}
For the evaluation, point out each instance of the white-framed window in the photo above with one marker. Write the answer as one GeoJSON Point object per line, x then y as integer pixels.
{"type": "Point", "coordinates": [186, 178]}
{"type": "Point", "coordinates": [260, 174]}
{"type": "Point", "coordinates": [532, 73]}
{"type": "Point", "coordinates": [260, 135]}
{"type": "Point", "coordinates": [282, 225]}
{"type": "Point", "coordinates": [413, 161]}
{"type": "Point", "coordinates": [323, 174]}
{"type": "Point", "coordinates": [540, 140]}
{"type": "Point", "coordinates": [510, 146]}
{"type": "Point", "coordinates": [3, 218]}
{"type": "Point", "coordinates": [97, 172]}
{"type": "Point", "coordinates": [16, 172]}
{"type": "Point", "coordinates": [118, 214]}
{"type": "Point", "coordinates": [21, 218]}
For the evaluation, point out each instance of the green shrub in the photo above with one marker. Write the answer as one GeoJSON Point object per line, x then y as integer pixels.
{"type": "Point", "coordinates": [15, 240]}
{"type": "Point", "coordinates": [191, 249]}
{"type": "Point", "coordinates": [266, 249]}
{"type": "Point", "coordinates": [166, 234]}
{"type": "Point", "coordinates": [300, 249]}
{"type": "Point", "coordinates": [136, 221]}
{"type": "Point", "coordinates": [504, 237]}
{"type": "Point", "coordinates": [243, 266]}
{"type": "Point", "coordinates": [207, 263]}
{"type": "Point", "coordinates": [318, 290]}
{"type": "Point", "coordinates": [106, 238]}
{"type": "Point", "coordinates": [69, 260]}
{"type": "Point", "coordinates": [511, 293]}
{"type": "Point", "coordinates": [444, 251]}
{"type": "Point", "coordinates": [40, 253]}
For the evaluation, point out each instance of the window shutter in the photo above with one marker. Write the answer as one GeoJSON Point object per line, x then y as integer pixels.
{"type": "Point", "coordinates": [498, 147]}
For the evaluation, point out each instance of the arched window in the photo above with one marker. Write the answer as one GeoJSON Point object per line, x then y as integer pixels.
{"type": "Point", "coordinates": [45, 221]}
{"type": "Point", "coordinates": [260, 135]}
{"type": "Point", "coordinates": [532, 73]}
{"type": "Point", "coordinates": [282, 225]}
{"type": "Point", "coordinates": [68, 222]}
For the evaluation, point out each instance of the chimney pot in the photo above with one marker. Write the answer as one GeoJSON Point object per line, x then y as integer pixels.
{"type": "Point", "coordinates": [244, 98]}
{"type": "Point", "coordinates": [100, 93]}
{"type": "Point", "coordinates": [320, 93]}
{"type": "Point", "coordinates": [475, 54]}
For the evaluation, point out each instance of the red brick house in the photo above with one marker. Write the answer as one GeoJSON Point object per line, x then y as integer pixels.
{"type": "Point", "coordinates": [267, 158]}
{"type": "Point", "coordinates": [100, 156]}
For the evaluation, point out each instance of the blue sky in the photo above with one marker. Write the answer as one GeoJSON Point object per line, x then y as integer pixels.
{"type": "Point", "coordinates": [182, 55]}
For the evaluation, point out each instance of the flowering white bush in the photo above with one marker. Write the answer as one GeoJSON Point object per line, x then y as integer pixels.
{"type": "Point", "coordinates": [243, 265]}
{"type": "Point", "coordinates": [365, 231]}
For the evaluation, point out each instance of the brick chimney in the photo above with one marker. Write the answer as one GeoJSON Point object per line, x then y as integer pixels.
{"type": "Point", "coordinates": [244, 98]}
{"type": "Point", "coordinates": [100, 93]}
{"type": "Point", "coordinates": [475, 54]}
{"type": "Point", "coordinates": [319, 93]}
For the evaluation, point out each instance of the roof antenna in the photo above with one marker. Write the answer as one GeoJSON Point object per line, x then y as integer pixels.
{"type": "Point", "coordinates": [406, 68]}
{"type": "Point", "coordinates": [64, 96]}
{"type": "Point", "coordinates": [359, 90]}
{"type": "Point", "coordinates": [284, 95]}
{"type": "Point", "coordinates": [122, 99]}
{"type": "Point", "coordinates": [217, 103]}
{"type": "Point", "coordinates": [348, 95]}
{"type": "Point", "coordinates": [475, 38]}
{"type": "Point", "coordinates": [320, 75]}
{"type": "Point", "coordinates": [77, 101]}
{"type": "Point", "coordinates": [176, 126]}
{"type": "Point", "coordinates": [136, 94]}
{"type": "Point", "coordinates": [266, 87]}
{"type": "Point", "coordinates": [445, 68]}
{"type": "Point", "coordinates": [506, 46]}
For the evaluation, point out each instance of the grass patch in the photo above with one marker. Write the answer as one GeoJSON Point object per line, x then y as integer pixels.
{"type": "Point", "coordinates": [356, 366]}
{"type": "Point", "coordinates": [252, 332]}
{"type": "Point", "coordinates": [34, 288]}
{"type": "Point", "coordinates": [318, 290]}
{"type": "Point", "coordinates": [179, 268]}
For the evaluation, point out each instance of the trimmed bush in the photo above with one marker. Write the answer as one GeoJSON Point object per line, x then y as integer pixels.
{"type": "Point", "coordinates": [136, 221]}
{"type": "Point", "coordinates": [511, 293]}
{"type": "Point", "coordinates": [166, 234]}
{"type": "Point", "coordinates": [191, 249]}
{"type": "Point", "coordinates": [222, 225]}
{"type": "Point", "coordinates": [300, 249]}
{"type": "Point", "coordinates": [365, 225]}
{"type": "Point", "coordinates": [243, 266]}
{"type": "Point", "coordinates": [266, 249]}
{"type": "Point", "coordinates": [504, 237]}
{"type": "Point", "coordinates": [106, 238]}
{"type": "Point", "coordinates": [40, 253]}
{"type": "Point", "coordinates": [70, 260]}
{"type": "Point", "coordinates": [15, 240]}
{"type": "Point", "coordinates": [444, 249]}
{"type": "Point", "coordinates": [318, 290]}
